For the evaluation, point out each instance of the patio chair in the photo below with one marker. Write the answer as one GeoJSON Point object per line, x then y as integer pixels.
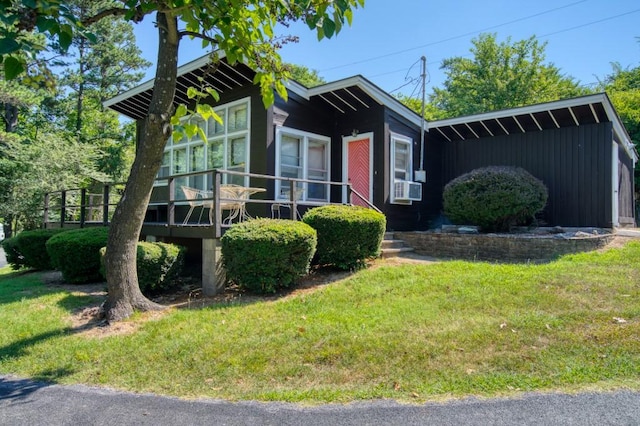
{"type": "Point", "coordinates": [195, 198]}
{"type": "Point", "coordinates": [285, 195]}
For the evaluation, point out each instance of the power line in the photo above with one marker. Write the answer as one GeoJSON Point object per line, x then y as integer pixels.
{"type": "Point", "coordinates": [541, 36]}
{"type": "Point", "coordinates": [454, 37]}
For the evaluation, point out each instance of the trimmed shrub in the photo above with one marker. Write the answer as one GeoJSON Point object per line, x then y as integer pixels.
{"type": "Point", "coordinates": [158, 265]}
{"type": "Point", "coordinates": [494, 198]}
{"type": "Point", "coordinates": [347, 235]}
{"type": "Point", "coordinates": [32, 246]}
{"type": "Point", "coordinates": [12, 253]}
{"type": "Point", "coordinates": [265, 255]}
{"type": "Point", "coordinates": [76, 254]}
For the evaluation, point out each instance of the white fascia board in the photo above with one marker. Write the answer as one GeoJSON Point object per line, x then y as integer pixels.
{"type": "Point", "coordinates": [619, 129]}
{"type": "Point", "coordinates": [297, 88]}
{"type": "Point", "coordinates": [183, 69]}
{"type": "Point", "coordinates": [380, 96]}
{"type": "Point", "coordinates": [566, 103]}
{"type": "Point", "coordinates": [531, 109]}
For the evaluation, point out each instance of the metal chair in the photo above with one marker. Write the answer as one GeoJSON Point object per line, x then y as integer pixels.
{"type": "Point", "coordinates": [195, 198]}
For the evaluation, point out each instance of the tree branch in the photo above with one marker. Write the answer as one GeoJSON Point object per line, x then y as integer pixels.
{"type": "Point", "coordinates": [197, 35]}
{"type": "Point", "coordinates": [138, 16]}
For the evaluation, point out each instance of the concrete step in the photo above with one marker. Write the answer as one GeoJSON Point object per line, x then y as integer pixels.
{"type": "Point", "coordinates": [391, 247]}
{"type": "Point", "coordinates": [393, 252]}
{"type": "Point", "coordinates": [389, 244]}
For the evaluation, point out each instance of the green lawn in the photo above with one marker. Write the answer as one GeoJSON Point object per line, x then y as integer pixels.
{"type": "Point", "coordinates": [408, 332]}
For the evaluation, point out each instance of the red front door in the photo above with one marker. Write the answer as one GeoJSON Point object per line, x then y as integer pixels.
{"type": "Point", "coordinates": [359, 168]}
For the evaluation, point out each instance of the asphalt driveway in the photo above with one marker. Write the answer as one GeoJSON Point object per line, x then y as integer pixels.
{"type": "Point", "coordinates": [24, 402]}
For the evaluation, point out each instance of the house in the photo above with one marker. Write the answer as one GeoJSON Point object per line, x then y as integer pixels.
{"type": "Point", "coordinates": [350, 142]}
{"type": "Point", "coordinates": [351, 131]}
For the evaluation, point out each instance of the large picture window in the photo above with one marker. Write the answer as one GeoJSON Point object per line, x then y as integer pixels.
{"type": "Point", "coordinates": [302, 155]}
{"type": "Point", "coordinates": [226, 147]}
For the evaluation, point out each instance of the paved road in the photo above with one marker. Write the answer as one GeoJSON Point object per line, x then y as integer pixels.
{"type": "Point", "coordinates": [23, 402]}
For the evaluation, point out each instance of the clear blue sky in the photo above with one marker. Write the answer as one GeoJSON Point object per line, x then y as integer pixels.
{"type": "Point", "coordinates": [388, 37]}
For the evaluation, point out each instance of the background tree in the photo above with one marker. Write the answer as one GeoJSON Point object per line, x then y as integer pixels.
{"type": "Point", "coordinates": [499, 76]}
{"type": "Point", "coordinates": [45, 117]}
{"type": "Point", "coordinates": [306, 76]}
{"type": "Point", "coordinates": [243, 30]}
{"type": "Point", "coordinates": [623, 87]}
{"type": "Point", "coordinates": [431, 112]}
{"type": "Point", "coordinates": [36, 158]}
{"type": "Point", "coordinates": [97, 70]}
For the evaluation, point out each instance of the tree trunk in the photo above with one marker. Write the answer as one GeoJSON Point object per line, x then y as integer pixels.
{"type": "Point", "coordinates": [124, 294]}
{"type": "Point", "coordinates": [79, 103]}
{"type": "Point", "coordinates": [11, 118]}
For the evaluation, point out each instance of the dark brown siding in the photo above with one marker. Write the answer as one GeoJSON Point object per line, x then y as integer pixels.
{"type": "Point", "coordinates": [574, 164]}
{"type": "Point", "coordinates": [400, 217]}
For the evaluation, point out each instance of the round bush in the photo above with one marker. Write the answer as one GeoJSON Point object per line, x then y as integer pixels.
{"type": "Point", "coordinates": [158, 265]}
{"type": "Point", "coordinates": [264, 255]}
{"type": "Point", "coordinates": [32, 246]}
{"type": "Point", "coordinates": [347, 235]}
{"type": "Point", "coordinates": [76, 254]}
{"type": "Point", "coordinates": [494, 198]}
{"type": "Point", "coordinates": [12, 253]}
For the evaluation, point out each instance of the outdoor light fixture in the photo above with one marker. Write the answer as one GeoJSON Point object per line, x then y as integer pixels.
{"type": "Point", "coordinates": [354, 132]}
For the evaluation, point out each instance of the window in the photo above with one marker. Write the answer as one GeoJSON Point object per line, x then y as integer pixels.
{"type": "Point", "coordinates": [302, 155]}
{"type": "Point", "coordinates": [226, 148]}
{"type": "Point", "coordinates": [401, 161]}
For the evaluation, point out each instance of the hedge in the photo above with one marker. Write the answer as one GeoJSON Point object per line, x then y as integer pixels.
{"type": "Point", "coordinates": [158, 266]}
{"type": "Point", "coordinates": [494, 198]}
{"type": "Point", "coordinates": [265, 255]}
{"type": "Point", "coordinates": [347, 235]}
{"type": "Point", "coordinates": [12, 253]}
{"type": "Point", "coordinates": [32, 246]}
{"type": "Point", "coordinates": [76, 253]}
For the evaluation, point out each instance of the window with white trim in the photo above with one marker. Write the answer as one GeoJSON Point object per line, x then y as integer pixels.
{"type": "Point", "coordinates": [226, 147]}
{"type": "Point", "coordinates": [401, 160]}
{"type": "Point", "coordinates": [302, 155]}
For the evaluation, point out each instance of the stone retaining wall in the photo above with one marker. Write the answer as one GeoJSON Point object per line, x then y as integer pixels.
{"type": "Point", "coordinates": [500, 247]}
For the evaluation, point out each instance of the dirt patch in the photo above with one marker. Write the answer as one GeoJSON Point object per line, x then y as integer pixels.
{"type": "Point", "coordinates": [89, 321]}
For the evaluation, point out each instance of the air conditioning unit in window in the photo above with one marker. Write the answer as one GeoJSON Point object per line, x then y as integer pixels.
{"type": "Point", "coordinates": [407, 191]}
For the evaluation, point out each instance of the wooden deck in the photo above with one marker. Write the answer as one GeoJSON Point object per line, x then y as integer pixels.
{"type": "Point", "coordinates": [204, 215]}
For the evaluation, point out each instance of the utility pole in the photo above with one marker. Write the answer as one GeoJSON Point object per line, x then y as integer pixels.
{"type": "Point", "coordinates": [421, 175]}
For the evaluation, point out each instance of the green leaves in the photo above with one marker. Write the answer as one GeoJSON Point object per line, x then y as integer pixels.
{"type": "Point", "coordinates": [500, 75]}
{"type": "Point", "coordinates": [13, 67]}
{"type": "Point", "coordinates": [8, 45]}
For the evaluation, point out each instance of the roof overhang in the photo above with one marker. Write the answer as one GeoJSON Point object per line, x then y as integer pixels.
{"type": "Point", "coordinates": [134, 103]}
{"type": "Point", "coordinates": [342, 96]}
{"type": "Point", "coordinates": [578, 111]}
{"type": "Point", "coordinates": [351, 94]}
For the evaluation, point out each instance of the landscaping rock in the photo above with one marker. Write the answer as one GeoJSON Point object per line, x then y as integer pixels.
{"type": "Point", "coordinates": [468, 230]}
{"type": "Point", "coordinates": [581, 234]}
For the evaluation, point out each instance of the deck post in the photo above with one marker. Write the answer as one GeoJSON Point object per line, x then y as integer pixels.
{"type": "Point", "coordinates": [171, 208]}
{"type": "Point", "coordinates": [63, 207]}
{"type": "Point", "coordinates": [292, 198]}
{"type": "Point", "coordinates": [45, 213]}
{"type": "Point", "coordinates": [217, 214]}
{"type": "Point", "coordinates": [83, 207]}
{"type": "Point", "coordinates": [105, 205]}
{"type": "Point", "coordinates": [213, 275]}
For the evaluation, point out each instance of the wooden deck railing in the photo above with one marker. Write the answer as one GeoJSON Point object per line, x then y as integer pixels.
{"type": "Point", "coordinates": [80, 208]}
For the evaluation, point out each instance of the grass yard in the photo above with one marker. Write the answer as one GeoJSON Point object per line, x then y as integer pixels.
{"type": "Point", "coordinates": [410, 332]}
